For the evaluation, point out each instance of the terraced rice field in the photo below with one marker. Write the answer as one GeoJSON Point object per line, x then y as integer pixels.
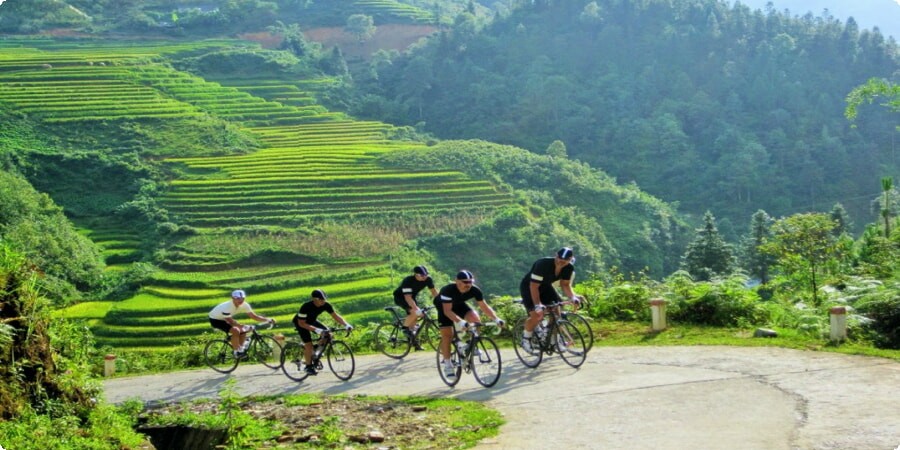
{"type": "Point", "coordinates": [315, 165]}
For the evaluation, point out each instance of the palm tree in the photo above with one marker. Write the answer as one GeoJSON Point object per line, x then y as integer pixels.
{"type": "Point", "coordinates": [887, 183]}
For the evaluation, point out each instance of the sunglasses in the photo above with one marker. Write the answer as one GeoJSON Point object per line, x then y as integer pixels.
{"type": "Point", "coordinates": [466, 281]}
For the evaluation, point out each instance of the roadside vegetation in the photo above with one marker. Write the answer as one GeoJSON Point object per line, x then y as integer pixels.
{"type": "Point", "coordinates": [143, 179]}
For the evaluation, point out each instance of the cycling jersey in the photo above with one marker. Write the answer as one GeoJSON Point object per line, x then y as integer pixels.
{"type": "Point", "coordinates": [227, 309]}
{"type": "Point", "coordinates": [310, 312]}
{"type": "Point", "coordinates": [451, 294]}
{"type": "Point", "coordinates": [411, 286]}
{"type": "Point", "coordinates": [543, 271]}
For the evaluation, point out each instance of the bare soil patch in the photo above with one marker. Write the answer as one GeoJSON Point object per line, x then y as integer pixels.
{"type": "Point", "coordinates": [344, 422]}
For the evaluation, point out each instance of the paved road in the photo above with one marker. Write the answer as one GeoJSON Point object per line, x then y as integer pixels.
{"type": "Point", "coordinates": [625, 397]}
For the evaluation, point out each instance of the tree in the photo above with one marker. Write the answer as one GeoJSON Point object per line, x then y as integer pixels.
{"type": "Point", "coordinates": [804, 244]}
{"type": "Point", "coordinates": [867, 93]}
{"type": "Point", "coordinates": [361, 26]}
{"type": "Point", "coordinates": [557, 149]}
{"type": "Point", "coordinates": [843, 224]}
{"type": "Point", "coordinates": [709, 255]}
{"type": "Point", "coordinates": [886, 187]}
{"type": "Point", "coordinates": [292, 38]}
{"type": "Point", "coordinates": [756, 261]}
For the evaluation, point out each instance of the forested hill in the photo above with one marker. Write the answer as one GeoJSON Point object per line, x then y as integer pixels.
{"type": "Point", "coordinates": [714, 106]}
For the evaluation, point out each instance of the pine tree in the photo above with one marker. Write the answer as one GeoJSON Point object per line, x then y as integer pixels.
{"type": "Point", "coordinates": [756, 262]}
{"type": "Point", "coordinates": [709, 255]}
{"type": "Point", "coordinates": [841, 219]}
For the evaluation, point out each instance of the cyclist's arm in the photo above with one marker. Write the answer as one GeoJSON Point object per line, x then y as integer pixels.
{"type": "Point", "coordinates": [337, 318]}
{"type": "Point", "coordinates": [487, 309]}
{"type": "Point", "coordinates": [448, 311]}
{"type": "Point", "coordinates": [434, 292]}
{"type": "Point", "coordinates": [535, 293]}
{"type": "Point", "coordinates": [302, 323]}
{"type": "Point", "coordinates": [566, 286]}
{"type": "Point", "coordinates": [257, 317]}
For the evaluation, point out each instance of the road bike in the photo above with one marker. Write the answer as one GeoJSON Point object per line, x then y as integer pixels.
{"type": "Point", "coordinates": [219, 355]}
{"type": "Point", "coordinates": [391, 340]}
{"type": "Point", "coordinates": [336, 352]}
{"type": "Point", "coordinates": [478, 354]}
{"type": "Point", "coordinates": [552, 335]}
{"type": "Point", "coordinates": [583, 324]}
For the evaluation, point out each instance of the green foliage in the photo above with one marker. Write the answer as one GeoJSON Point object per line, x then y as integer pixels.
{"type": "Point", "coordinates": [361, 26]}
{"type": "Point", "coordinates": [47, 396]}
{"type": "Point", "coordinates": [622, 225]}
{"type": "Point", "coordinates": [709, 255]}
{"type": "Point", "coordinates": [31, 223]}
{"type": "Point", "coordinates": [883, 308]}
{"type": "Point", "coordinates": [104, 429]}
{"type": "Point", "coordinates": [806, 248]}
{"type": "Point", "coordinates": [718, 302]}
{"type": "Point", "coordinates": [241, 62]}
{"type": "Point", "coordinates": [620, 297]}
{"type": "Point", "coordinates": [627, 86]}
{"type": "Point", "coordinates": [874, 88]}
{"type": "Point", "coordinates": [756, 262]}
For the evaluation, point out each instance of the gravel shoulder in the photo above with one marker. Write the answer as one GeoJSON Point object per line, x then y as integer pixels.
{"type": "Point", "coordinates": [622, 397]}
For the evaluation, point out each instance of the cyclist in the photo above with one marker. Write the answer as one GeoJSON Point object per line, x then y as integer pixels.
{"type": "Point", "coordinates": [453, 310]}
{"type": "Point", "coordinates": [537, 288]}
{"type": "Point", "coordinates": [405, 297]}
{"type": "Point", "coordinates": [222, 318]}
{"type": "Point", "coordinates": [305, 321]}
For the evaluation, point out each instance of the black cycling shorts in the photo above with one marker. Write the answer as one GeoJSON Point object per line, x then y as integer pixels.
{"type": "Point", "coordinates": [220, 325]}
{"type": "Point", "coordinates": [401, 302]}
{"type": "Point", "coordinates": [461, 309]}
{"type": "Point", "coordinates": [306, 335]}
{"type": "Point", "coordinates": [548, 296]}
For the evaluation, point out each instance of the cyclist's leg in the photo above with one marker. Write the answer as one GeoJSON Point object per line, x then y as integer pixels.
{"type": "Point", "coordinates": [234, 332]}
{"type": "Point", "coordinates": [534, 317]}
{"type": "Point", "coordinates": [410, 319]}
{"type": "Point", "coordinates": [306, 339]}
{"type": "Point", "coordinates": [446, 326]}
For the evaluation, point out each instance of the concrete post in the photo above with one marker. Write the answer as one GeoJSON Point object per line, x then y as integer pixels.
{"type": "Point", "coordinates": [109, 365]}
{"type": "Point", "coordinates": [658, 313]}
{"type": "Point", "coordinates": [838, 323]}
{"type": "Point", "coordinates": [279, 338]}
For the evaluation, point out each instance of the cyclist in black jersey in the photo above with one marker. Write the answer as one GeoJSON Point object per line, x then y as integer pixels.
{"type": "Point", "coordinates": [305, 321]}
{"type": "Point", "coordinates": [405, 296]}
{"type": "Point", "coordinates": [454, 312]}
{"type": "Point", "coordinates": [537, 288]}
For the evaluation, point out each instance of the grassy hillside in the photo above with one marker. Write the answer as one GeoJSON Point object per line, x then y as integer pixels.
{"type": "Point", "coordinates": [248, 182]}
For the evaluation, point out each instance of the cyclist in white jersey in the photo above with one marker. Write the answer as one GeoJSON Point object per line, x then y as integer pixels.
{"type": "Point", "coordinates": [222, 318]}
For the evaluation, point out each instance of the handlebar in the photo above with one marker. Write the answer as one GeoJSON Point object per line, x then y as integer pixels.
{"type": "Point", "coordinates": [472, 327]}
{"type": "Point", "coordinates": [255, 327]}
{"type": "Point", "coordinates": [330, 330]}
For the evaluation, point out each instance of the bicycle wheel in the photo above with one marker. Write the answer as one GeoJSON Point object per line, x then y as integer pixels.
{"type": "Point", "coordinates": [457, 366]}
{"type": "Point", "coordinates": [340, 360]}
{"type": "Point", "coordinates": [530, 357]}
{"type": "Point", "coordinates": [262, 350]}
{"type": "Point", "coordinates": [219, 356]}
{"type": "Point", "coordinates": [486, 364]}
{"type": "Point", "coordinates": [569, 343]}
{"type": "Point", "coordinates": [292, 361]}
{"type": "Point", "coordinates": [584, 326]}
{"type": "Point", "coordinates": [429, 335]}
{"type": "Point", "coordinates": [391, 341]}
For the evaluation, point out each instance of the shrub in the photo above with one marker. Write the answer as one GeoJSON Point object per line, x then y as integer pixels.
{"type": "Point", "coordinates": [883, 308]}
{"type": "Point", "coordinates": [721, 302]}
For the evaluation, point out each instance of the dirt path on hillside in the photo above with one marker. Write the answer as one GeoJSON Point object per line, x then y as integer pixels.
{"type": "Point", "coordinates": [624, 397]}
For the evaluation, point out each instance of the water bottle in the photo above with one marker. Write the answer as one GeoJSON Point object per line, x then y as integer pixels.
{"type": "Point", "coordinates": [461, 348]}
{"type": "Point", "coordinates": [541, 330]}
